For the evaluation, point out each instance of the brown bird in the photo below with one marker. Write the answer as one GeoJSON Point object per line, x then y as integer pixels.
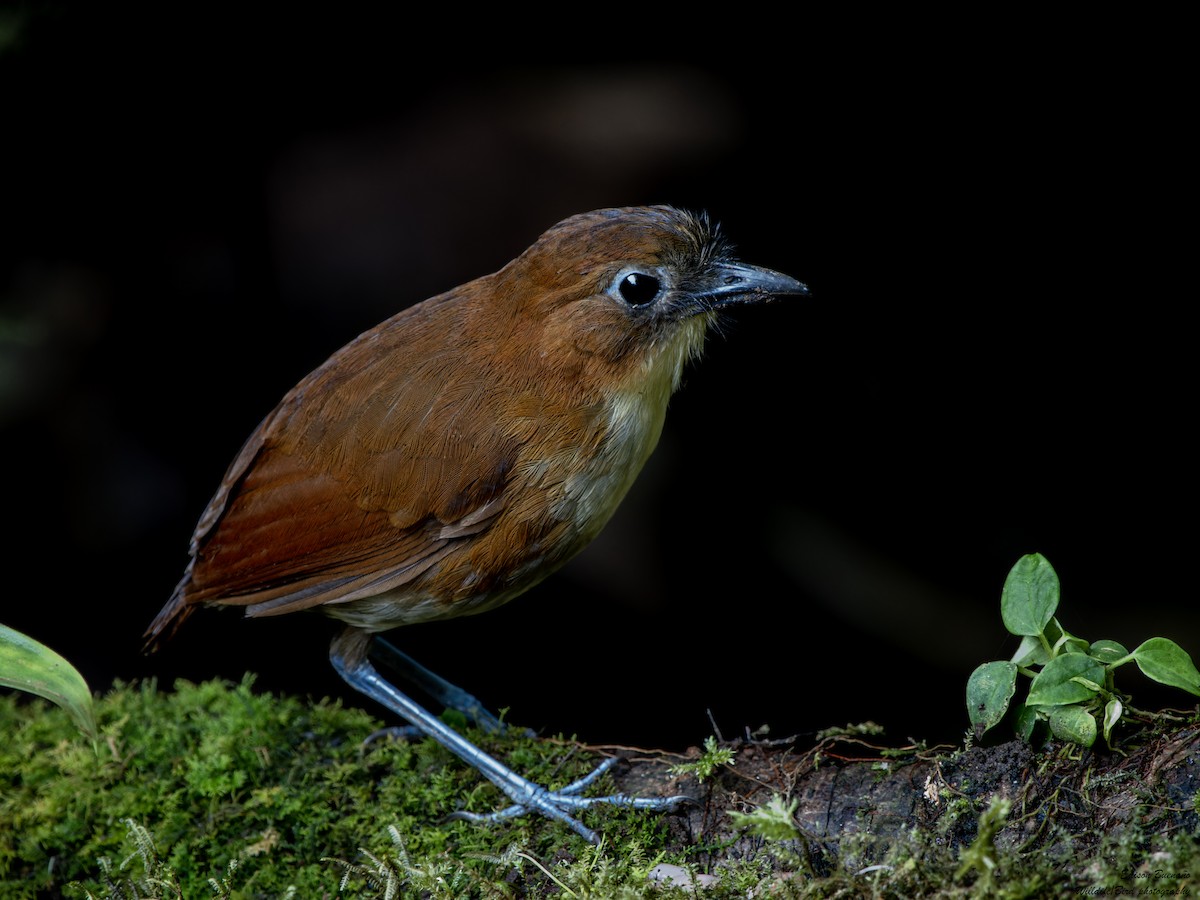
{"type": "Point", "coordinates": [449, 459]}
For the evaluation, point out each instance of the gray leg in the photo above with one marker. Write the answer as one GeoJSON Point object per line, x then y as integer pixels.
{"type": "Point", "coordinates": [438, 688]}
{"type": "Point", "coordinates": [349, 657]}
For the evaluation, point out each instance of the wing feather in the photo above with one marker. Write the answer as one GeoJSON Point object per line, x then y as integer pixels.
{"type": "Point", "coordinates": [369, 473]}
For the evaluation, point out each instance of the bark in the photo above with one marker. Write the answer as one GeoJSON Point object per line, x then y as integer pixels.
{"type": "Point", "coordinates": [858, 800]}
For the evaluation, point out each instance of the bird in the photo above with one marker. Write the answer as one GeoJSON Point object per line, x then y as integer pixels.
{"type": "Point", "coordinates": [452, 457]}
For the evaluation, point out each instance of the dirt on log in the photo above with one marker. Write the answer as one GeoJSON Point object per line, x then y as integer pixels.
{"type": "Point", "coordinates": [1091, 822]}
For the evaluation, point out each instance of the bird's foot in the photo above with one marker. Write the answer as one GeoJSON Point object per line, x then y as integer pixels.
{"type": "Point", "coordinates": [559, 804]}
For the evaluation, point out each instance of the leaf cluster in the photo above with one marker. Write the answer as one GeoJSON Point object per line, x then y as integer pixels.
{"type": "Point", "coordinates": [1071, 680]}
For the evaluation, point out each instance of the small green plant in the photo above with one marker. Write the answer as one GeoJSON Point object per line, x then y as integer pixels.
{"type": "Point", "coordinates": [982, 855]}
{"type": "Point", "coordinates": [1071, 680]}
{"type": "Point", "coordinates": [156, 879]}
{"type": "Point", "coordinates": [708, 762]}
{"type": "Point", "coordinates": [390, 874]}
{"type": "Point", "coordinates": [776, 821]}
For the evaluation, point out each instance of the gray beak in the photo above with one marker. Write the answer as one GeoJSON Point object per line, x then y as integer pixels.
{"type": "Point", "coordinates": [735, 283]}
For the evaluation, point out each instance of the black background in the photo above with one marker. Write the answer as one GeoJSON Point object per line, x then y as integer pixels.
{"type": "Point", "coordinates": [996, 219]}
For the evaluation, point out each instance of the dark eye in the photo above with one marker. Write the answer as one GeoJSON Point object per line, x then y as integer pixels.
{"type": "Point", "coordinates": [638, 289]}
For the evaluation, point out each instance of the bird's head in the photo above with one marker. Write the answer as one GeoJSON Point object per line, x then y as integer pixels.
{"type": "Point", "coordinates": [633, 289]}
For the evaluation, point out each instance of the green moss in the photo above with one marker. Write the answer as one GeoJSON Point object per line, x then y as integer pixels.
{"type": "Point", "coordinates": [188, 781]}
{"type": "Point", "coordinates": [216, 791]}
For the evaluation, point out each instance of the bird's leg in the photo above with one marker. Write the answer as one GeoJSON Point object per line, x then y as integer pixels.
{"type": "Point", "coordinates": [439, 689]}
{"type": "Point", "coordinates": [348, 654]}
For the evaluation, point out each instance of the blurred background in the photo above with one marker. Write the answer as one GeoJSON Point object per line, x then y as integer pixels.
{"type": "Point", "coordinates": [995, 360]}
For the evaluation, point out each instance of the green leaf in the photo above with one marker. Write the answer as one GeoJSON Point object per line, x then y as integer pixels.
{"type": "Point", "coordinates": [1112, 714]}
{"type": "Point", "coordinates": [1031, 652]}
{"type": "Point", "coordinates": [1024, 723]}
{"type": "Point", "coordinates": [1030, 595]}
{"type": "Point", "coordinates": [1073, 723]}
{"type": "Point", "coordinates": [1057, 684]}
{"type": "Point", "coordinates": [1166, 662]}
{"type": "Point", "coordinates": [1065, 638]}
{"type": "Point", "coordinates": [1107, 651]}
{"type": "Point", "coordinates": [989, 690]}
{"type": "Point", "coordinates": [29, 666]}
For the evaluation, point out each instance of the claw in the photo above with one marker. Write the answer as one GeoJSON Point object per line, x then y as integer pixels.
{"type": "Point", "coordinates": [555, 804]}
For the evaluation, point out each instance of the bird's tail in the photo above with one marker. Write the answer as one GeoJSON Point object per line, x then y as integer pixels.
{"type": "Point", "coordinates": [167, 622]}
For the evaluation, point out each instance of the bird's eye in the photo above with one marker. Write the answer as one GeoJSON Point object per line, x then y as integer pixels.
{"type": "Point", "coordinates": [638, 289]}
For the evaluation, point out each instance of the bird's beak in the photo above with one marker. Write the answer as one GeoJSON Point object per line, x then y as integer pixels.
{"type": "Point", "coordinates": [735, 283]}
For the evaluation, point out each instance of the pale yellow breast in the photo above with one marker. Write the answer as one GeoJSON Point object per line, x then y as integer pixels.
{"type": "Point", "coordinates": [635, 411]}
